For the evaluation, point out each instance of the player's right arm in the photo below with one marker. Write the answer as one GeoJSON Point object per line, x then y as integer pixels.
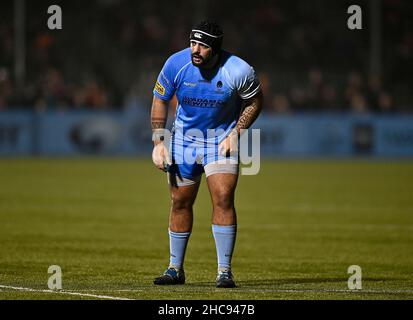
{"type": "Point", "coordinates": [159, 115]}
{"type": "Point", "coordinates": [163, 92]}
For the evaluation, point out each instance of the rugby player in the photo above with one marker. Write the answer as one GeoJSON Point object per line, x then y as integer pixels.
{"type": "Point", "coordinates": [215, 90]}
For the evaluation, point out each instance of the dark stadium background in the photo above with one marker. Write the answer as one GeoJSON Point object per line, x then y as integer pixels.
{"type": "Point", "coordinates": [78, 188]}
{"type": "Point", "coordinates": [307, 58]}
{"type": "Point", "coordinates": [109, 52]}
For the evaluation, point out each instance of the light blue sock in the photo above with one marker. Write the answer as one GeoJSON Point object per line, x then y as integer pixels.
{"type": "Point", "coordinates": [177, 248]}
{"type": "Point", "coordinates": [224, 241]}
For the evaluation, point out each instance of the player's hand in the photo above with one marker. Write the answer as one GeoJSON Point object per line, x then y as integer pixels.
{"type": "Point", "coordinates": [229, 145]}
{"type": "Point", "coordinates": [160, 156]}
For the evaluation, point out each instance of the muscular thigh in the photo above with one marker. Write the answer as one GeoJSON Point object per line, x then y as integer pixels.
{"type": "Point", "coordinates": [184, 196]}
{"type": "Point", "coordinates": [222, 187]}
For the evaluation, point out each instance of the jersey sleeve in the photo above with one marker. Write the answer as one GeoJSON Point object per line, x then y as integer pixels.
{"type": "Point", "coordinates": [247, 82]}
{"type": "Point", "coordinates": [165, 87]}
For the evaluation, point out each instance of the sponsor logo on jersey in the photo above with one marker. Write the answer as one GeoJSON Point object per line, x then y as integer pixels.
{"type": "Point", "coordinates": [190, 84]}
{"type": "Point", "coordinates": [159, 88]}
{"type": "Point", "coordinates": [203, 103]}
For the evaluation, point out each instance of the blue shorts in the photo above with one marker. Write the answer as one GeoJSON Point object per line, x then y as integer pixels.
{"type": "Point", "coordinates": [191, 160]}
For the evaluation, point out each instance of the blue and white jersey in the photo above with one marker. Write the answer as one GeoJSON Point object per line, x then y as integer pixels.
{"type": "Point", "coordinates": [207, 99]}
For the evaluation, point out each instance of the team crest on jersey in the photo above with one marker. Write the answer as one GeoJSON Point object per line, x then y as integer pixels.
{"type": "Point", "coordinates": [219, 87]}
{"type": "Point", "coordinates": [159, 88]}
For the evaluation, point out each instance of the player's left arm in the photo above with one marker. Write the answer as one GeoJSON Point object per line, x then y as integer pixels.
{"type": "Point", "coordinates": [249, 114]}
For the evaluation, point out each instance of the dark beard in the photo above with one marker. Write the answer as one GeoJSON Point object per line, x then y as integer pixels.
{"type": "Point", "coordinates": [202, 63]}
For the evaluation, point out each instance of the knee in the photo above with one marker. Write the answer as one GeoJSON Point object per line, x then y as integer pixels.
{"type": "Point", "coordinates": [180, 203]}
{"type": "Point", "coordinates": [224, 201]}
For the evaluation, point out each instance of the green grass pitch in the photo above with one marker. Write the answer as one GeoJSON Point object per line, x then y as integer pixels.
{"type": "Point", "coordinates": [301, 224]}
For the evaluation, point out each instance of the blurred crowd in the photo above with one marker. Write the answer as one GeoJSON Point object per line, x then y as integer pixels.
{"type": "Point", "coordinates": [357, 95]}
{"type": "Point", "coordinates": [109, 52]}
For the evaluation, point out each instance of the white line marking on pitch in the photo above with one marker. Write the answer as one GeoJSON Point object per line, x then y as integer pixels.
{"type": "Point", "coordinates": [64, 292]}
{"type": "Point", "coordinates": [246, 290]}
{"type": "Point", "coordinates": [204, 290]}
